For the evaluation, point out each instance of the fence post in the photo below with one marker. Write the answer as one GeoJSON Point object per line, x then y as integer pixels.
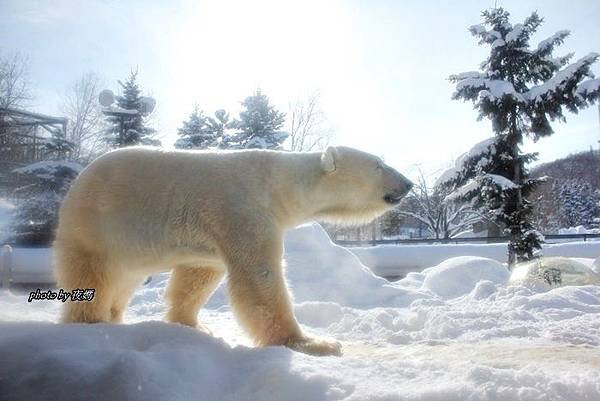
{"type": "Point", "coordinates": [5, 266]}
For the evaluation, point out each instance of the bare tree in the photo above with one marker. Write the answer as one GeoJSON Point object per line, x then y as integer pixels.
{"type": "Point", "coordinates": [15, 88]}
{"type": "Point", "coordinates": [442, 217]}
{"type": "Point", "coordinates": [307, 125]}
{"type": "Point", "coordinates": [85, 130]}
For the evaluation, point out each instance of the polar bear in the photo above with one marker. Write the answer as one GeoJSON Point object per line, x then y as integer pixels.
{"type": "Point", "coordinates": [138, 211]}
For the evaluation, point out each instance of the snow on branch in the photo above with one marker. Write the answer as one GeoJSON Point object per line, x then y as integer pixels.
{"type": "Point", "coordinates": [459, 193]}
{"type": "Point", "coordinates": [477, 84]}
{"type": "Point", "coordinates": [49, 170]}
{"type": "Point", "coordinates": [502, 183]}
{"type": "Point", "coordinates": [588, 88]}
{"type": "Point", "coordinates": [546, 46]}
{"type": "Point", "coordinates": [515, 34]}
{"type": "Point", "coordinates": [479, 149]}
{"type": "Point", "coordinates": [558, 83]}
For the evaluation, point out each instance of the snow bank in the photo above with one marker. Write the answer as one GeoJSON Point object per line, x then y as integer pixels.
{"type": "Point", "coordinates": [393, 260]}
{"type": "Point", "coordinates": [145, 361]}
{"type": "Point", "coordinates": [458, 276]}
{"type": "Point", "coordinates": [563, 315]}
{"type": "Point", "coordinates": [319, 270]}
{"type": "Point", "coordinates": [452, 332]}
{"type": "Point", "coordinates": [578, 230]}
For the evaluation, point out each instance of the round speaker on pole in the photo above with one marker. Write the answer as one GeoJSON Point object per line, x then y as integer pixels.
{"type": "Point", "coordinates": [106, 97]}
{"type": "Point", "coordinates": [148, 105]}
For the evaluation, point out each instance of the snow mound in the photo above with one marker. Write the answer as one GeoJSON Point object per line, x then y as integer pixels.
{"type": "Point", "coordinates": [319, 270]}
{"type": "Point", "coordinates": [144, 361]}
{"type": "Point", "coordinates": [578, 230]}
{"type": "Point", "coordinates": [460, 334]}
{"type": "Point", "coordinates": [562, 315]}
{"type": "Point", "coordinates": [459, 276]}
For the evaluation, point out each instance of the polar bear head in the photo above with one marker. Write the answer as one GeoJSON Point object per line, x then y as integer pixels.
{"type": "Point", "coordinates": [358, 186]}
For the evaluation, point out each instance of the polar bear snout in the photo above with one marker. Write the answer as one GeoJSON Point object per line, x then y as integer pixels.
{"type": "Point", "coordinates": [400, 186]}
{"type": "Point", "coordinates": [395, 197]}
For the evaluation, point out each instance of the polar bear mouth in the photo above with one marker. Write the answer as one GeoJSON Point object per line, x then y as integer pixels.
{"type": "Point", "coordinates": [392, 199]}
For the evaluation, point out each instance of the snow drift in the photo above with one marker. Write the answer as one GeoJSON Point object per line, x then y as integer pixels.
{"type": "Point", "coordinates": [453, 332]}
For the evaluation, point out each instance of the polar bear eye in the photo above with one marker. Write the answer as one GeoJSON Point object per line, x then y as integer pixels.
{"type": "Point", "coordinates": [379, 166]}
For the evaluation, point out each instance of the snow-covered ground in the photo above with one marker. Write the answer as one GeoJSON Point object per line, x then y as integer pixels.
{"type": "Point", "coordinates": [456, 331]}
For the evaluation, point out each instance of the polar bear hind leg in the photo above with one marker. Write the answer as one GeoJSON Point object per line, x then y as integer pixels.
{"type": "Point", "coordinates": [188, 290]}
{"type": "Point", "coordinates": [125, 286]}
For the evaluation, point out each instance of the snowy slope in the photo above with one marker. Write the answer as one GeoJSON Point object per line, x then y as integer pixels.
{"type": "Point", "coordinates": [456, 331]}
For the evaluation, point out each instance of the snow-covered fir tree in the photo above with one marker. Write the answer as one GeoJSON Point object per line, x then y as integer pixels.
{"type": "Point", "coordinates": [258, 126]}
{"type": "Point", "coordinates": [220, 123]}
{"type": "Point", "coordinates": [57, 144]}
{"type": "Point", "coordinates": [520, 89]}
{"type": "Point", "coordinates": [44, 186]}
{"type": "Point", "coordinates": [545, 215]}
{"type": "Point", "coordinates": [578, 203]}
{"type": "Point", "coordinates": [129, 126]}
{"type": "Point", "coordinates": [198, 132]}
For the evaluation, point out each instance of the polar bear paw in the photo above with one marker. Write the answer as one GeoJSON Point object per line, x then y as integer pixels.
{"type": "Point", "coordinates": [202, 328]}
{"type": "Point", "coordinates": [315, 346]}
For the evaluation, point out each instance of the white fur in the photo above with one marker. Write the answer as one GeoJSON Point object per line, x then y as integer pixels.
{"type": "Point", "coordinates": [138, 211]}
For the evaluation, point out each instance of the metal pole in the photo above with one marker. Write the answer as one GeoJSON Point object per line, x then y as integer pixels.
{"type": "Point", "coordinates": [5, 266]}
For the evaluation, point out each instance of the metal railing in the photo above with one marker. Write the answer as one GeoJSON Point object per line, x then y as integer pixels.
{"type": "Point", "coordinates": [470, 240]}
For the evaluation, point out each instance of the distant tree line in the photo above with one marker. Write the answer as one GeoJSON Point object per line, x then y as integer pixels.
{"type": "Point", "coordinates": [569, 194]}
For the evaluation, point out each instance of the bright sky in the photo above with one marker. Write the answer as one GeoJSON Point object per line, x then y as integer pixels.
{"type": "Point", "coordinates": [380, 66]}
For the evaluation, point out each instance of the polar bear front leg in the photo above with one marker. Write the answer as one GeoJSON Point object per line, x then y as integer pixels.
{"type": "Point", "coordinates": [262, 304]}
{"type": "Point", "coordinates": [189, 288]}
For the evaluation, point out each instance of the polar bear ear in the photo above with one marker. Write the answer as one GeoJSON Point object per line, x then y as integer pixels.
{"type": "Point", "coordinates": [328, 159]}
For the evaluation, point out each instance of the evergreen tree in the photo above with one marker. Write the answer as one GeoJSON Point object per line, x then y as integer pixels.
{"type": "Point", "coordinates": [520, 89]}
{"type": "Point", "coordinates": [578, 203]}
{"type": "Point", "coordinates": [44, 186]}
{"type": "Point", "coordinates": [128, 126]}
{"type": "Point", "coordinates": [258, 125]}
{"type": "Point", "coordinates": [198, 132]}
{"type": "Point", "coordinates": [545, 214]}
{"type": "Point", "coordinates": [220, 125]}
